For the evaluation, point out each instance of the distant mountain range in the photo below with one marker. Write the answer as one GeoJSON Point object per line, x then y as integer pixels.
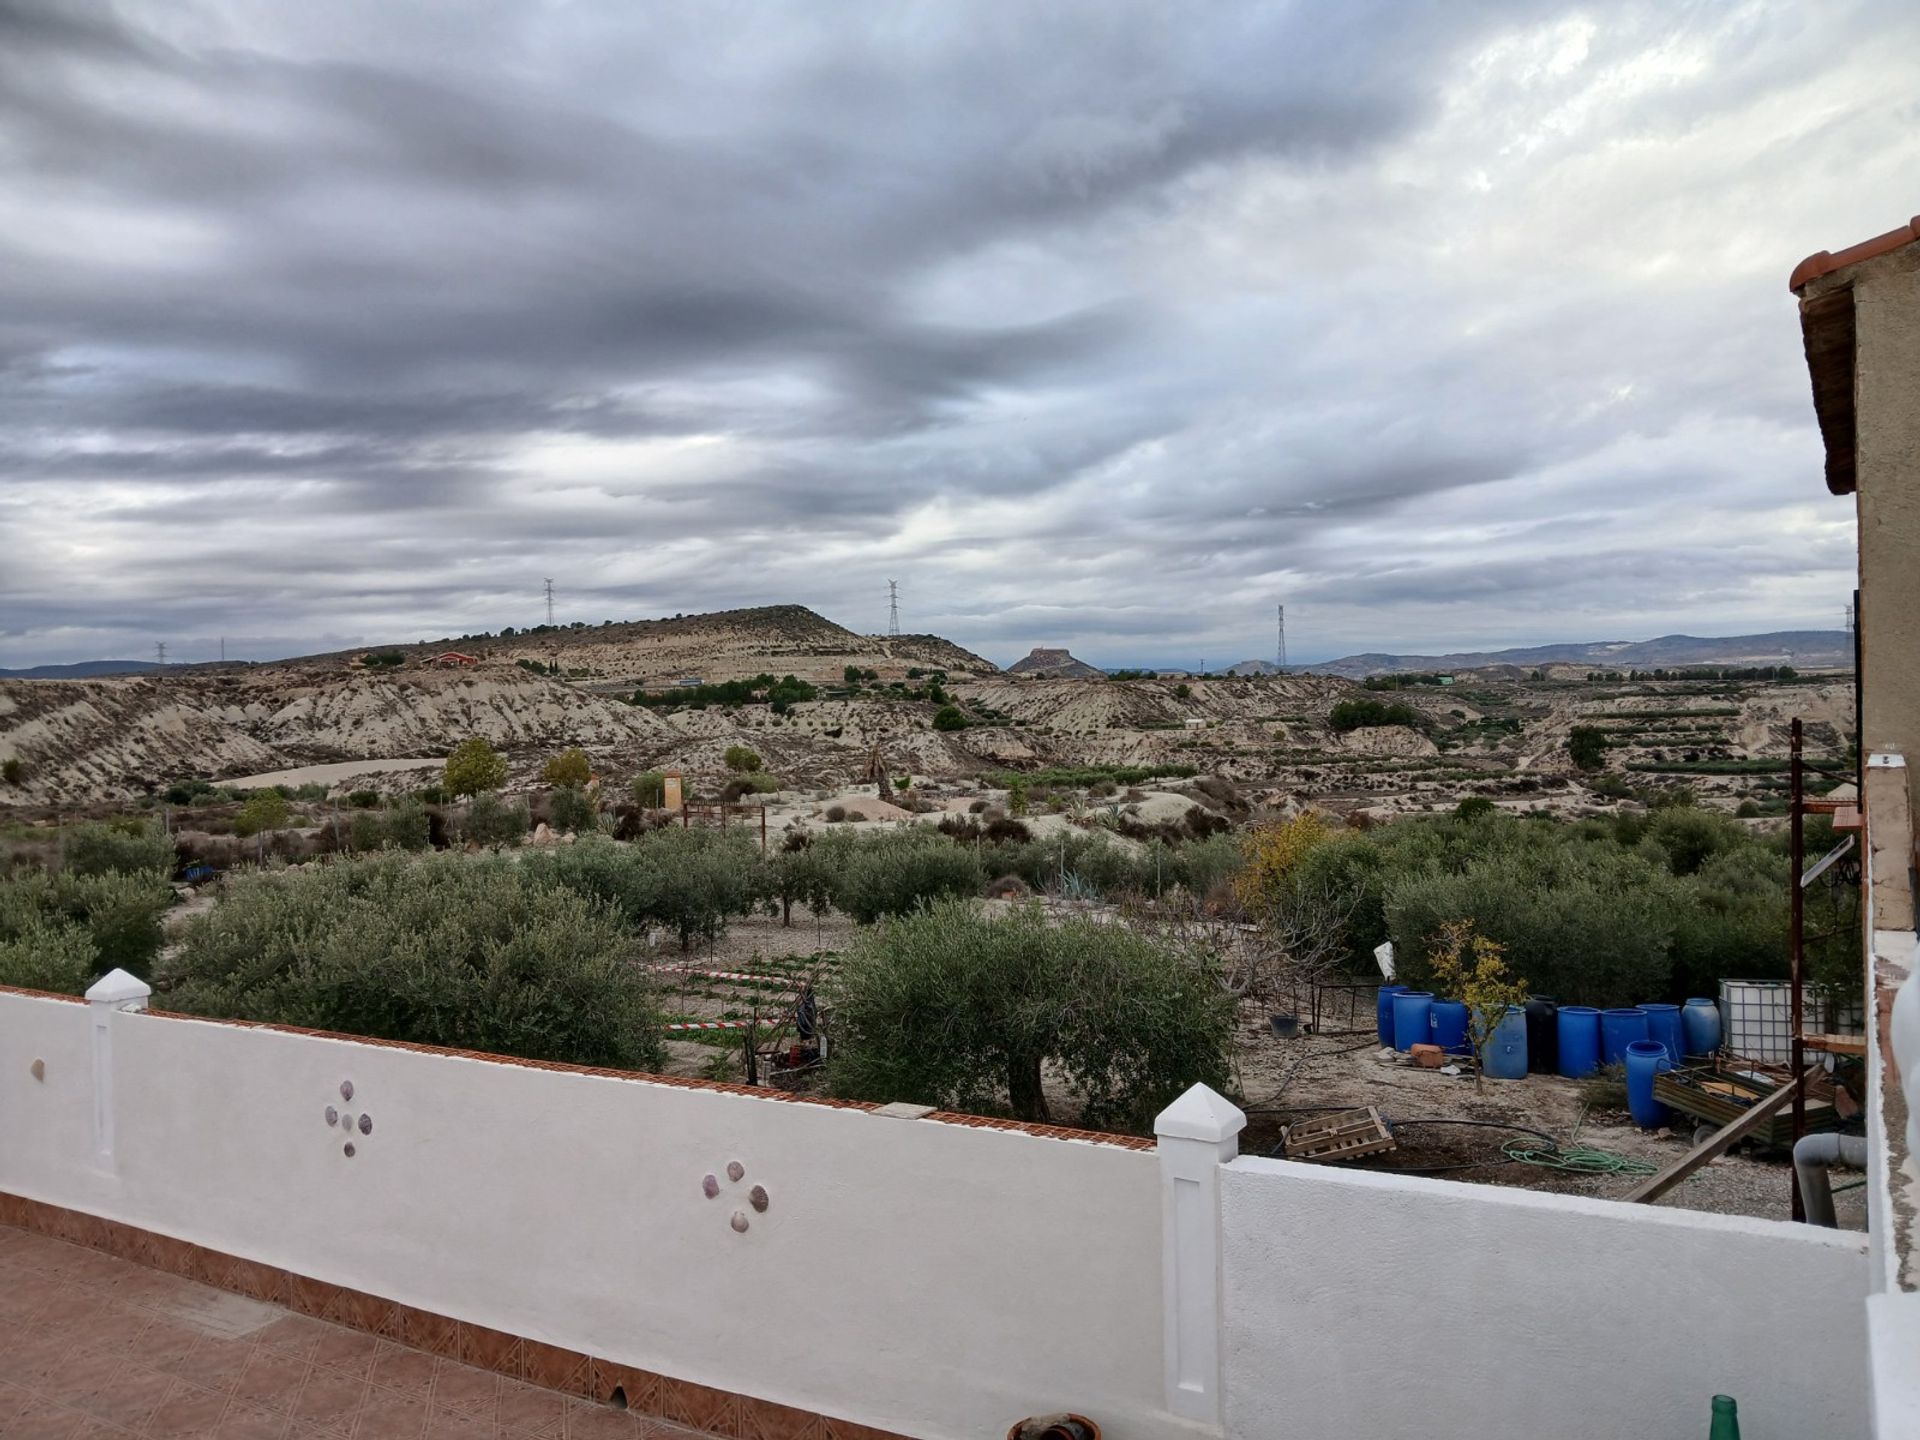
{"type": "Point", "coordinates": [1802, 649]}
{"type": "Point", "coordinates": [81, 670]}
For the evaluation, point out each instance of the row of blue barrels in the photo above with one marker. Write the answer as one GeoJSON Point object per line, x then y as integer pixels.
{"type": "Point", "coordinates": [1575, 1040]}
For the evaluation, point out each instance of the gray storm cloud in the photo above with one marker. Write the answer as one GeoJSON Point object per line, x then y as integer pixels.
{"type": "Point", "coordinates": [1101, 324]}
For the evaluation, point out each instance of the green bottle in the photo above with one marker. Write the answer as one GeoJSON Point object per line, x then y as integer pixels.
{"type": "Point", "coordinates": [1726, 1419]}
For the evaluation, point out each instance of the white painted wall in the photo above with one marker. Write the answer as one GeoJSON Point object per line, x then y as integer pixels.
{"type": "Point", "coordinates": [936, 1279]}
{"type": "Point", "coordinates": [923, 1277]}
{"type": "Point", "coordinates": [1406, 1309]}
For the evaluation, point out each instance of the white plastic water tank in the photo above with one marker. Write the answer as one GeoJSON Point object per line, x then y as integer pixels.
{"type": "Point", "coordinates": [1758, 1015]}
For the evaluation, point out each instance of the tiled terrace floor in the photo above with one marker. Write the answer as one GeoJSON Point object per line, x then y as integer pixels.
{"type": "Point", "coordinates": [91, 1345]}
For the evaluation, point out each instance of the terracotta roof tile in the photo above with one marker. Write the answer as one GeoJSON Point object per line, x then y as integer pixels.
{"type": "Point", "coordinates": [1826, 262]}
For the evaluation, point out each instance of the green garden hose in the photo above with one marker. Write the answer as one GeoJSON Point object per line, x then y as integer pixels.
{"type": "Point", "coordinates": [1578, 1159]}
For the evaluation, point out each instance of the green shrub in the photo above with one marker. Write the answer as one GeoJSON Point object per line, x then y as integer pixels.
{"type": "Point", "coordinates": [950, 717]}
{"type": "Point", "coordinates": [474, 767]}
{"type": "Point", "coordinates": [649, 789]}
{"type": "Point", "coordinates": [56, 957]}
{"type": "Point", "coordinates": [700, 879]}
{"type": "Point", "coordinates": [492, 820]}
{"type": "Point", "coordinates": [474, 953]}
{"type": "Point", "coordinates": [117, 850]}
{"type": "Point", "coordinates": [405, 827]}
{"type": "Point", "coordinates": [364, 799]}
{"type": "Point", "coordinates": [948, 1007]}
{"type": "Point", "coordinates": [1366, 713]}
{"type": "Point", "coordinates": [265, 810]}
{"type": "Point", "coordinates": [893, 873]}
{"type": "Point", "coordinates": [572, 810]}
{"type": "Point", "coordinates": [13, 770]}
{"type": "Point", "coordinates": [1587, 746]}
{"type": "Point", "coordinates": [569, 770]}
{"type": "Point", "coordinates": [741, 758]}
{"type": "Point", "coordinates": [756, 783]}
{"type": "Point", "coordinates": [118, 915]}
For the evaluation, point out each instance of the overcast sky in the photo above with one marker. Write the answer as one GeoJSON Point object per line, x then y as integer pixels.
{"type": "Point", "coordinates": [1107, 325]}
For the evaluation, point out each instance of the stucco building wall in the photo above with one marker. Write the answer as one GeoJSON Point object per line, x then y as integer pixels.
{"type": "Point", "coordinates": [1886, 435]}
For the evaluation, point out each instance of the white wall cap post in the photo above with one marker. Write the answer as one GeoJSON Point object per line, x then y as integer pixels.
{"type": "Point", "coordinates": [1200, 1114]}
{"type": "Point", "coordinates": [117, 988]}
{"type": "Point", "coordinates": [112, 992]}
{"type": "Point", "coordinates": [1198, 1133]}
{"type": "Point", "coordinates": [1886, 760]}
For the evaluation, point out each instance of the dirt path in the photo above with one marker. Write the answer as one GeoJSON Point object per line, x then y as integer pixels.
{"type": "Point", "coordinates": [1287, 1080]}
{"type": "Point", "coordinates": [330, 774]}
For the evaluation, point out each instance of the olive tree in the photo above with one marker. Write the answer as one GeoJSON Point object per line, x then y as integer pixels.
{"type": "Point", "coordinates": [476, 953]}
{"type": "Point", "coordinates": [948, 1006]}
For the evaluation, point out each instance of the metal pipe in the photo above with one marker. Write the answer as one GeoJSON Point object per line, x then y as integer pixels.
{"type": "Point", "coordinates": [1813, 1157]}
{"type": "Point", "coordinates": [1796, 943]}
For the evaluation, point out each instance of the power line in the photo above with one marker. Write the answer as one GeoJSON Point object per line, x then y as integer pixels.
{"type": "Point", "coordinates": [549, 600]}
{"type": "Point", "coordinates": [893, 607]}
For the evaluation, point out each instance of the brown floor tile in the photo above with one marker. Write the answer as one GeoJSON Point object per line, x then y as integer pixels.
{"type": "Point", "coordinates": [272, 1379]}
{"type": "Point", "coordinates": [93, 1429]}
{"type": "Point", "coordinates": [294, 1334]}
{"type": "Point", "coordinates": [349, 1352]}
{"type": "Point", "coordinates": [46, 1422]}
{"type": "Point", "coordinates": [188, 1411]}
{"type": "Point", "coordinates": [528, 1408]}
{"type": "Point", "coordinates": [461, 1387]}
{"type": "Point", "coordinates": [330, 1401]}
{"type": "Point", "coordinates": [128, 1396]}
{"type": "Point", "coordinates": [249, 1422]}
{"type": "Point", "coordinates": [215, 1363]}
{"type": "Point", "coordinates": [94, 1345]}
{"type": "Point", "coordinates": [408, 1371]}
{"type": "Point", "coordinates": [388, 1415]}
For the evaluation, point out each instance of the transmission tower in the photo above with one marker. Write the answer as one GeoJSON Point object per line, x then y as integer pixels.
{"type": "Point", "coordinates": [160, 651]}
{"type": "Point", "coordinates": [1280, 648]}
{"type": "Point", "coordinates": [223, 649]}
{"type": "Point", "coordinates": [549, 601]}
{"type": "Point", "coordinates": [893, 607]}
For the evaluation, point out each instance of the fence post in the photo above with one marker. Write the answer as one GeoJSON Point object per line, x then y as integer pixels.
{"type": "Point", "coordinates": [116, 990]}
{"type": "Point", "coordinates": [1197, 1133]}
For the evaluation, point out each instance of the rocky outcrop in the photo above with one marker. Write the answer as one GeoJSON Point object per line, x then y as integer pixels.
{"type": "Point", "coordinates": [1054, 665]}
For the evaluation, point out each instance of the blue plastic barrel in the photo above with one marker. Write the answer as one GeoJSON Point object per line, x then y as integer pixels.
{"type": "Point", "coordinates": [1619, 1029]}
{"type": "Point", "coordinates": [1383, 1010]}
{"type": "Point", "coordinates": [1646, 1059]}
{"type": "Point", "coordinates": [1700, 1026]}
{"type": "Point", "coordinates": [1450, 1026]}
{"type": "Point", "coordinates": [1579, 1040]}
{"type": "Point", "coordinates": [1412, 1022]}
{"type": "Point", "coordinates": [1506, 1057]}
{"type": "Point", "coordinates": [1663, 1025]}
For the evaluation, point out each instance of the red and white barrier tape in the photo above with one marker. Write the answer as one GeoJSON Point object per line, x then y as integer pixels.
{"type": "Point", "coordinates": [713, 1025]}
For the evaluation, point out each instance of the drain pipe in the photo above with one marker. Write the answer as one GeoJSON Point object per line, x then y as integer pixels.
{"type": "Point", "coordinates": [1813, 1157]}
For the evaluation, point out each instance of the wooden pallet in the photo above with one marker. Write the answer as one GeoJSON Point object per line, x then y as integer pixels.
{"type": "Point", "coordinates": [1344, 1135]}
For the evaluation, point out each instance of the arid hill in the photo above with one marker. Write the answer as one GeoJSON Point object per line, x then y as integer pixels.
{"type": "Point", "coordinates": [724, 645]}
{"type": "Point", "coordinates": [1045, 664]}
